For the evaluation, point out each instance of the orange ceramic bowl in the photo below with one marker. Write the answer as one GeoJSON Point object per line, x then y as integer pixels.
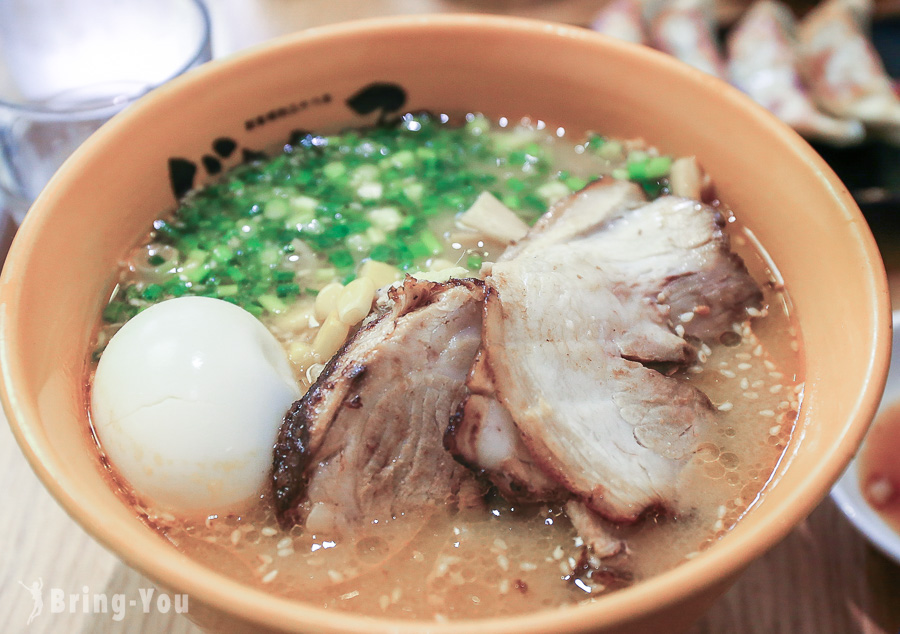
{"type": "Point", "coordinates": [64, 259]}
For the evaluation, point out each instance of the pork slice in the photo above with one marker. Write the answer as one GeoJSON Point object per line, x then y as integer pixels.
{"type": "Point", "coordinates": [366, 442]}
{"type": "Point", "coordinates": [584, 211]}
{"type": "Point", "coordinates": [571, 327]}
{"type": "Point", "coordinates": [482, 434]}
{"type": "Point", "coordinates": [593, 531]}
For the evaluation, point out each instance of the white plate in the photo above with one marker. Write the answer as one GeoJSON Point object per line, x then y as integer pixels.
{"type": "Point", "coordinates": [847, 494]}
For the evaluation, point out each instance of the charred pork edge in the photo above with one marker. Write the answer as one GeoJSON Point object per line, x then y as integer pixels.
{"type": "Point", "coordinates": [296, 432]}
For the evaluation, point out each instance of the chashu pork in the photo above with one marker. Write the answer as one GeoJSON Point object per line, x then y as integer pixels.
{"type": "Point", "coordinates": [577, 315]}
{"type": "Point", "coordinates": [365, 443]}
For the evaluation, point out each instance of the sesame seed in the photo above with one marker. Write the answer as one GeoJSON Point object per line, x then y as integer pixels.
{"type": "Point", "coordinates": [285, 552]}
{"type": "Point", "coordinates": [728, 374]}
{"type": "Point", "coordinates": [726, 407]}
{"type": "Point", "coordinates": [686, 317]}
{"type": "Point", "coordinates": [284, 542]}
{"type": "Point", "coordinates": [774, 429]}
{"type": "Point", "coordinates": [745, 383]}
{"type": "Point", "coordinates": [705, 349]}
{"type": "Point", "coordinates": [558, 553]}
{"type": "Point", "coordinates": [499, 543]}
{"type": "Point", "coordinates": [775, 389]}
{"type": "Point", "coordinates": [757, 351]}
{"type": "Point", "coordinates": [879, 492]}
{"type": "Point", "coordinates": [743, 356]}
{"type": "Point", "coordinates": [383, 602]}
{"type": "Point", "coordinates": [235, 537]}
{"type": "Point", "coordinates": [679, 330]}
{"type": "Point", "coordinates": [719, 525]}
{"type": "Point", "coordinates": [795, 346]}
{"type": "Point", "coordinates": [744, 366]}
{"type": "Point", "coordinates": [268, 531]}
{"type": "Point", "coordinates": [396, 594]}
{"type": "Point", "coordinates": [503, 586]}
{"type": "Point", "coordinates": [503, 562]}
{"type": "Point", "coordinates": [767, 413]}
{"type": "Point", "coordinates": [350, 595]}
{"type": "Point", "coordinates": [335, 576]}
{"type": "Point", "coordinates": [270, 576]}
{"type": "Point", "coordinates": [757, 384]}
{"type": "Point", "coordinates": [751, 395]}
{"type": "Point", "coordinates": [527, 566]}
{"type": "Point", "coordinates": [769, 365]}
{"type": "Point", "coordinates": [753, 312]}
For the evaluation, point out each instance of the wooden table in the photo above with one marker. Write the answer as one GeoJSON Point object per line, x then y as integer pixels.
{"type": "Point", "coordinates": [823, 579]}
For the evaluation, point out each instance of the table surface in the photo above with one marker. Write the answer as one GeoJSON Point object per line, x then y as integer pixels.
{"type": "Point", "coordinates": [823, 578]}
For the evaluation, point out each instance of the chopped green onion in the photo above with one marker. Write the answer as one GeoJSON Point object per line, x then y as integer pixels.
{"type": "Point", "coordinates": [272, 303]}
{"type": "Point", "coordinates": [152, 292]}
{"type": "Point", "coordinates": [341, 259]}
{"type": "Point", "coordinates": [283, 290]}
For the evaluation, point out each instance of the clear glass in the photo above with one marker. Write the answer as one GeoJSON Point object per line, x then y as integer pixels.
{"type": "Point", "coordinates": [67, 66]}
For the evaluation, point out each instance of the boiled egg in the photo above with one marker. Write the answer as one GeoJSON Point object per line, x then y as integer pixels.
{"type": "Point", "coordinates": [187, 401]}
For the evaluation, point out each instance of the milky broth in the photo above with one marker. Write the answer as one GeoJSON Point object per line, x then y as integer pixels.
{"type": "Point", "coordinates": [507, 559]}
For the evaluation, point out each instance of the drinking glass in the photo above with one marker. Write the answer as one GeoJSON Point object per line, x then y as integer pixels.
{"type": "Point", "coordinates": [67, 66]}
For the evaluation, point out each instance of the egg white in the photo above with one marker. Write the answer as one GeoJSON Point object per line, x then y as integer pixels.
{"type": "Point", "coordinates": [187, 401]}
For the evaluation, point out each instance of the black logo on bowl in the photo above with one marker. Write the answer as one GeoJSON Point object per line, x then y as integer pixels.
{"type": "Point", "coordinates": [386, 98]}
{"type": "Point", "coordinates": [381, 97]}
{"type": "Point", "coordinates": [285, 111]}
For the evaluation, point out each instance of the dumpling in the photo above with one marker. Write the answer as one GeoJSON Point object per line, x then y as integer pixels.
{"type": "Point", "coordinates": [762, 63]}
{"type": "Point", "coordinates": [842, 67]}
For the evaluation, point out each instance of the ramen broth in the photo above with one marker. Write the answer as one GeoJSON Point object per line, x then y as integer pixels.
{"type": "Point", "coordinates": [508, 559]}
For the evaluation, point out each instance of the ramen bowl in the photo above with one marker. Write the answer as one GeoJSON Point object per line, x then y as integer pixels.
{"type": "Point", "coordinates": [64, 260]}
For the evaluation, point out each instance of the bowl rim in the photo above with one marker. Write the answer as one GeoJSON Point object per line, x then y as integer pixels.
{"type": "Point", "coordinates": [847, 493]}
{"type": "Point", "coordinates": [228, 596]}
